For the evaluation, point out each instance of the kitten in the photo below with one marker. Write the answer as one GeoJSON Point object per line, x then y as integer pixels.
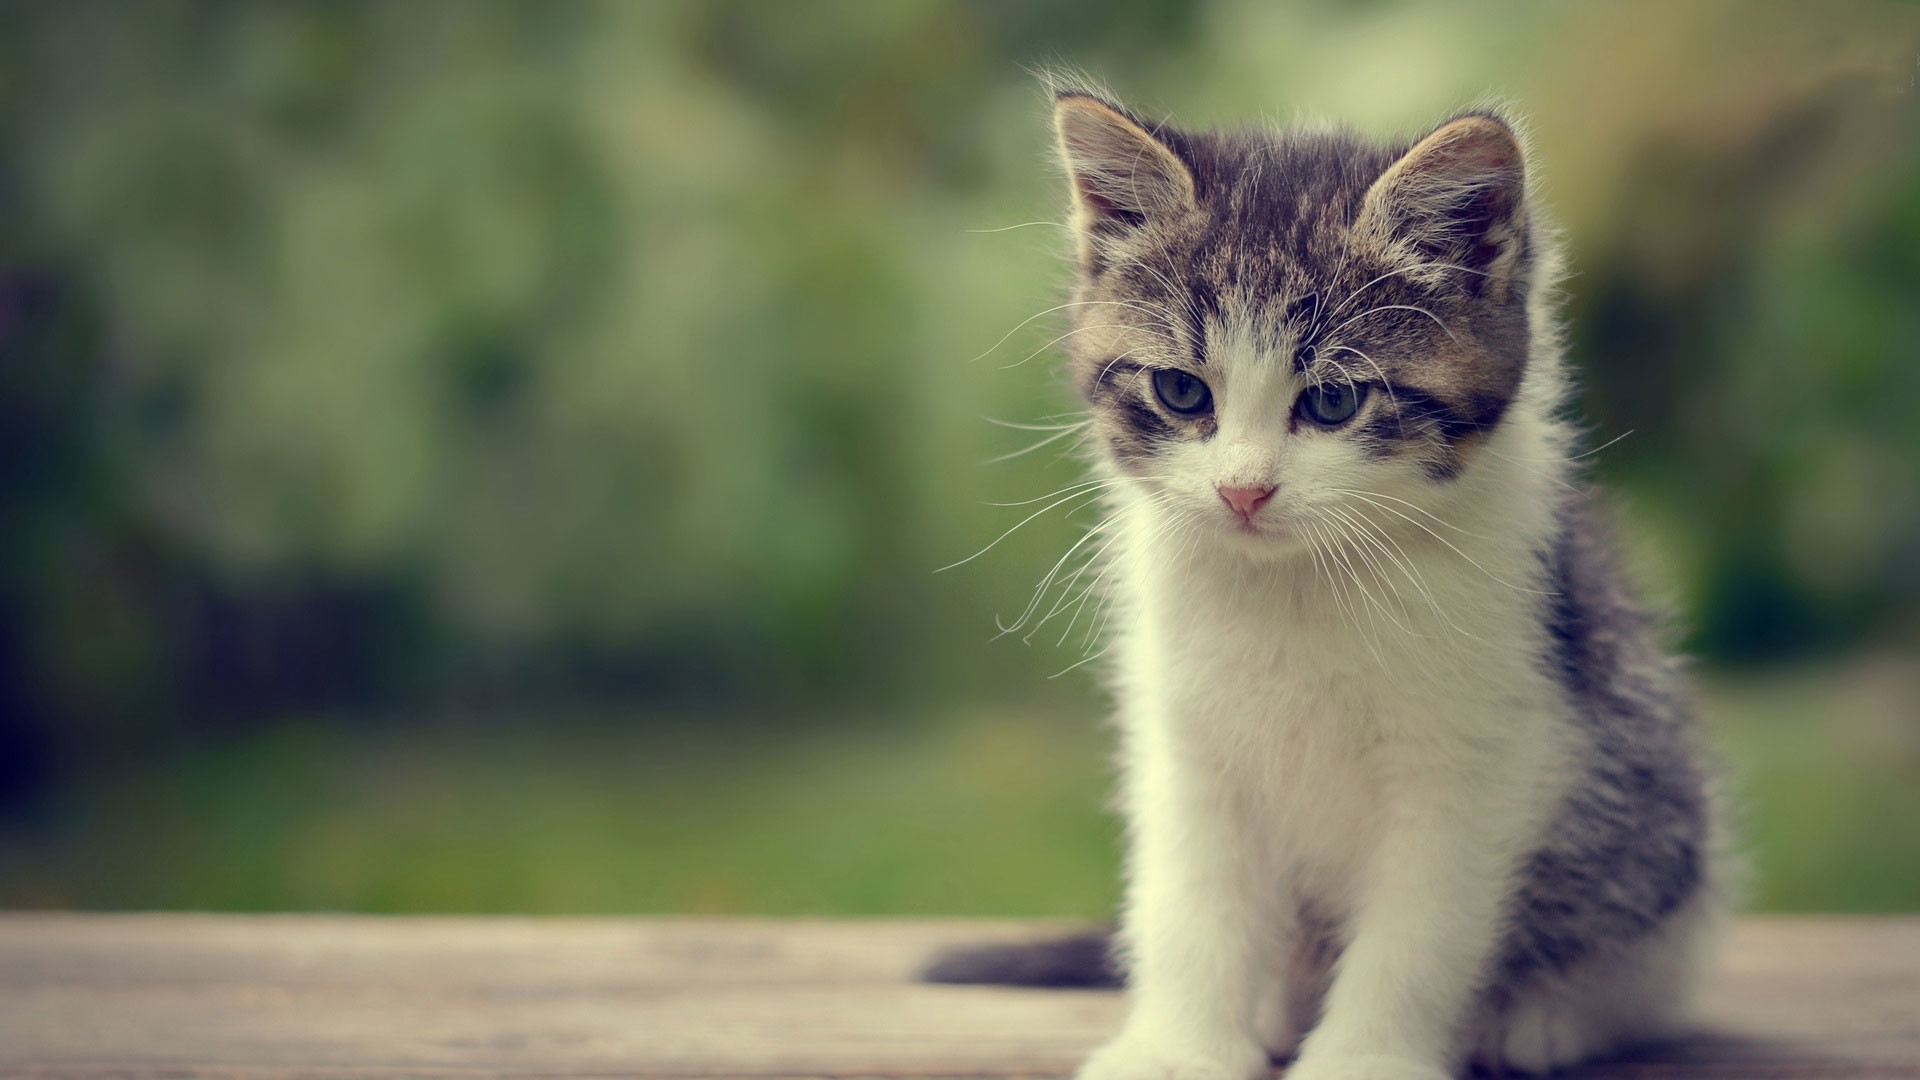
{"type": "Point", "coordinates": [1410, 781]}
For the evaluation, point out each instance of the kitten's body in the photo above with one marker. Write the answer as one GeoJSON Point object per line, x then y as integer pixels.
{"type": "Point", "coordinates": [1272, 733]}
{"type": "Point", "coordinates": [1409, 781]}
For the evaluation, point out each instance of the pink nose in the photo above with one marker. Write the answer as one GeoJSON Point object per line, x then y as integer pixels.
{"type": "Point", "coordinates": [1246, 501]}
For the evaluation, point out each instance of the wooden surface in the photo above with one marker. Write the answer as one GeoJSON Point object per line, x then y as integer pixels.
{"type": "Point", "coordinates": [304, 996]}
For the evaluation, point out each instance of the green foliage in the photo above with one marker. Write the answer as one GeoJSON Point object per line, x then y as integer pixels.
{"type": "Point", "coordinates": [364, 355]}
{"type": "Point", "coordinates": [587, 338]}
{"type": "Point", "coordinates": [978, 811]}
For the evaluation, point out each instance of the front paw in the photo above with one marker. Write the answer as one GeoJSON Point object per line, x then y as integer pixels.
{"type": "Point", "coordinates": [1369, 1067]}
{"type": "Point", "coordinates": [1131, 1057]}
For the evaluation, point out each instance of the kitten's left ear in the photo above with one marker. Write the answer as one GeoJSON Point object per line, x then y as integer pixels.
{"type": "Point", "coordinates": [1123, 175]}
{"type": "Point", "coordinates": [1457, 198]}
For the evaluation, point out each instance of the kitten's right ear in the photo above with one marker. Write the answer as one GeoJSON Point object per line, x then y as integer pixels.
{"type": "Point", "coordinates": [1457, 198]}
{"type": "Point", "coordinates": [1122, 173]}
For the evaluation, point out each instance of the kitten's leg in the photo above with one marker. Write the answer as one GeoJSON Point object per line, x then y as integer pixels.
{"type": "Point", "coordinates": [1297, 983]}
{"type": "Point", "coordinates": [1286, 1002]}
{"type": "Point", "coordinates": [1426, 924]}
{"type": "Point", "coordinates": [1195, 930]}
{"type": "Point", "coordinates": [1273, 1022]}
{"type": "Point", "coordinates": [1619, 997]}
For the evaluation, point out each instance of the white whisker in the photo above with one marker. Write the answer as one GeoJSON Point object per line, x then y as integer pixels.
{"type": "Point", "coordinates": [1042, 314]}
{"type": "Point", "coordinates": [1048, 441]}
{"type": "Point", "coordinates": [1470, 559]}
{"type": "Point", "coordinates": [1022, 225]}
{"type": "Point", "coordinates": [1395, 307]}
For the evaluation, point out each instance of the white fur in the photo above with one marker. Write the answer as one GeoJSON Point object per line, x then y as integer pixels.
{"type": "Point", "coordinates": [1370, 734]}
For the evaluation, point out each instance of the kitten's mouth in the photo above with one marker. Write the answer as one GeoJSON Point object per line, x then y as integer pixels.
{"type": "Point", "coordinates": [1262, 529]}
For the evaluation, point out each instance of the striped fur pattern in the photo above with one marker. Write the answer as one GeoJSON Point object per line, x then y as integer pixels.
{"type": "Point", "coordinates": [1410, 781]}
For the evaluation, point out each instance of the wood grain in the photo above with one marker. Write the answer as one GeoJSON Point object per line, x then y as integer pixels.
{"type": "Point", "coordinates": [100, 996]}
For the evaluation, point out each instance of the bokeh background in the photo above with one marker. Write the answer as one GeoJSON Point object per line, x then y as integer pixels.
{"type": "Point", "coordinates": [486, 456]}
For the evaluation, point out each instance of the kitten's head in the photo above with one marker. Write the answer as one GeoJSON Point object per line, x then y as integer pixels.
{"type": "Point", "coordinates": [1271, 329]}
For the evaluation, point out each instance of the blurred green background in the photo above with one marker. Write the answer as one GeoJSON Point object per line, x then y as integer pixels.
{"type": "Point", "coordinates": [492, 456]}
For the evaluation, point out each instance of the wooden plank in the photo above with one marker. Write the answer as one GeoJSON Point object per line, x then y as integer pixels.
{"type": "Point", "coordinates": [99, 996]}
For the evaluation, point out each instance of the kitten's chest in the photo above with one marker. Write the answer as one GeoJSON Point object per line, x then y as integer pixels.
{"type": "Point", "coordinates": [1278, 714]}
{"type": "Point", "coordinates": [1269, 687]}
{"type": "Point", "coordinates": [1261, 662]}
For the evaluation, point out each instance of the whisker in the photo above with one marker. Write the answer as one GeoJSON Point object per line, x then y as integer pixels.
{"type": "Point", "coordinates": [1067, 595]}
{"type": "Point", "coordinates": [1040, 591]}
{"type": "Point", "coordinates": [1018, 426]}
{"type": "Point", "coordinates": [1068, 334]}
{"type": "Point", "coordinates": [1470, 559]}
{"type": "Point", "coordinates": [1042, 314]}
{"type": "Point", "coordinates": [1370, 361]}
{"type": "Point", "coordinates": [1078, 601]}
{"type": "Point", "coordinates": [1049, 440]}
{"type": "Point", "coordinates": [1383, 542]}
{"type": "Point", "coordinates": [1046, 582]}
{"type": "Point", "coordinates": [1370, 495]}
{"type": "Point", "coordinates": [1016, 528]}
{"type": "Point", "coordinates": [1541, 473]}
{"type": "Point", "coordinates": [1344, 373]}
{"type": "Point", "coordinates": [1097, 483]}
{"type": "Point", "coordinates": [1577, 457]}
{"type": "Point", "coordinates": [1371, 640]}
{"type": "Point", "coordinates": [1355, 294]}
{"type": "Point", "coordinates": [1083, 660]}
{"type": "Point", "coordinates": [1385, 586]}
{"type": "Point", "coordinates": [1105, 371]}
{"type": "Point", "coordinates": [1396, 307]}
{"type": "Point", "coordinates": [1022, 225]}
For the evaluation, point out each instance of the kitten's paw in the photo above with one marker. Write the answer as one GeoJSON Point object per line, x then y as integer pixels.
{"type": "Point", "coordinates": [1134, 1058]}
{"type": "Point", "coordinates": [1312, 1067]}
{"type": "Point", "coordinates": [1535, 1039]}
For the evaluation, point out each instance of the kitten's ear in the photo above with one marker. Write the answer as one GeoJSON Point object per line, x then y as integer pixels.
{"type": "Point", "coordinates": [1458, 198]}
{"type": "Point", "coordinates": [1122, 173]}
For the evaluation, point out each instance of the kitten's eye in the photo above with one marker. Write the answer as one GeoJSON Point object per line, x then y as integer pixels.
{"type": "Point", "coordinates": [1332, 404]}
{"type": "Point", "coordinates": [1180, 391]}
